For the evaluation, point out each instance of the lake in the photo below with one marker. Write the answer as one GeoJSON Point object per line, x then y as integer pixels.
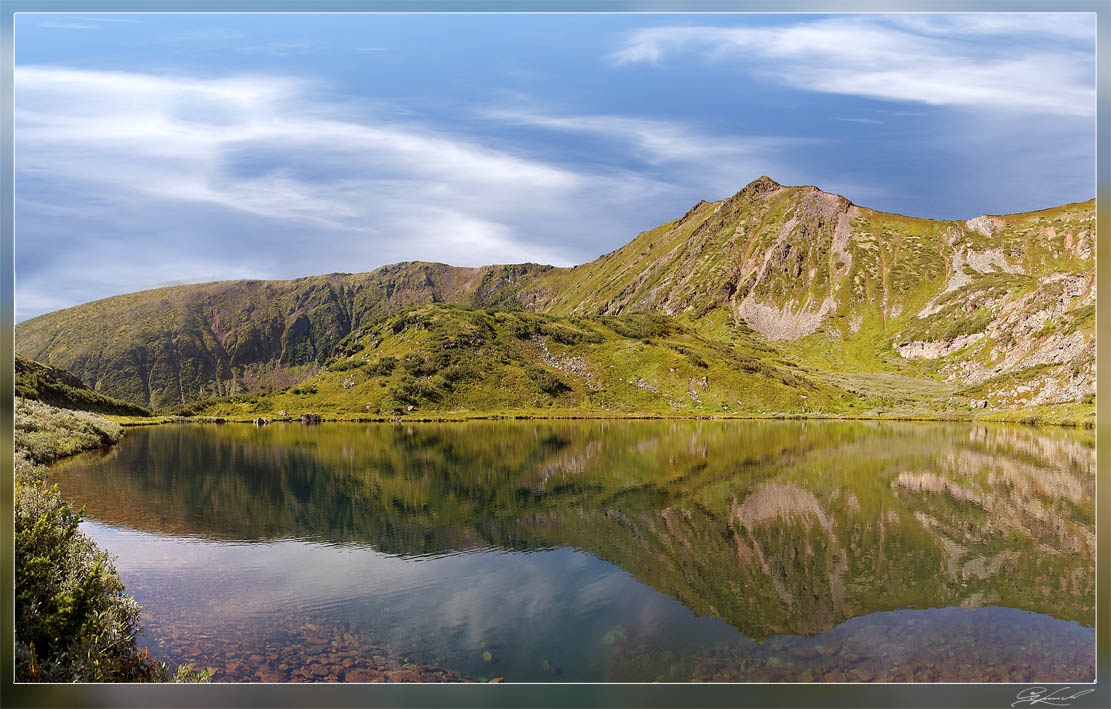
{"type": "Point", "coordinates": [604, 551]}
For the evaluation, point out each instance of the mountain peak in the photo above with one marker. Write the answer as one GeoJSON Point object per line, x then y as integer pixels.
{"type": "Point", "coordinates": [760, 186]}
{"type": "Point", "coordinates": [761, 183]}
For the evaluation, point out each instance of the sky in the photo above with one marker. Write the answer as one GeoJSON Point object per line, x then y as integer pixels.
{"type": "Point", "coordinates": [160, 149]}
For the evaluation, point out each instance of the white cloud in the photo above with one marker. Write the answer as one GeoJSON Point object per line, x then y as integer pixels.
{"type": "Point", "coordinates": [260, 176]}
{"type": "Point", "coordinates": [654, 141]}
{"type": "Point", "coordinates": [81, 22]}
{"type": "Point", "coordinates": [1070, 25]}
{"type": "Point", "coordinates": [1038, 63]}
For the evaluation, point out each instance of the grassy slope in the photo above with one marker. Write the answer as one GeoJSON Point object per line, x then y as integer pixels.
{"type": "Point", "coordinates": [185, 343]}
{"type": "Point", "coordinates": [57, 387]}
{"type": "Point", "coordinates": [1021, 289]}
{"type": "Point", "coordinates": [449, 358]}
{"type": "Point", "coordinates": [859, 300]}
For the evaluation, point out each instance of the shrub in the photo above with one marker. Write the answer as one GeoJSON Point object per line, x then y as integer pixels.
{"type": "Point", "coordinates": [383, 367]}
{"type": "Point", "coordinates": [639, 327]}
{"type": "Point", "coordinates": [349, 345]}
{"type": "Point", "coordinates": [346, 364]}
{"type": "Point", "coordinates": [692, 356]}
{"type": "Point", "coordinates": [548, 382]}
{"type": "Point", "coordinates": [457, 372]}
{"type": "Point", "coordinates": [73, 622]}
{"type": "Point", "coordinates": [524, 329]}
{"type": "Point", "coordinates": [416, 365]}
{"type": "Point", "coordinates": [45, 433]}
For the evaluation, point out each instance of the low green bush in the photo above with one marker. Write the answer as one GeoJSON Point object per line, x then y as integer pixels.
{"type": "Point", "coordinates": [73, 621]}
{"type": "Point", "coordinates": [383, 367]}
{"type": "Point", "coordinates": [548, 382]}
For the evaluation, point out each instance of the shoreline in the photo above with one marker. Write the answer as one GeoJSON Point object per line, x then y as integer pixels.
{"type": "Point", "coordinates": [460, 417]}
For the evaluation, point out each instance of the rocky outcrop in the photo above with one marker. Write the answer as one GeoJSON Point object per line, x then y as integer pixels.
{"type": "Point", "coordinates": [935, 350]}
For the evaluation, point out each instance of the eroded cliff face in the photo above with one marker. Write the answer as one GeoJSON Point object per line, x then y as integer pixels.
{"type": "Point", "coordinates": [1000, 305]}
{"type": "Point", "coordinates": [1016, 320]}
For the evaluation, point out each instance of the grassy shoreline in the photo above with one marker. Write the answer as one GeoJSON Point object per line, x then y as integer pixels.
{"type": "Point", "coordinates": [74, 622]}
{"type": "Point", "coordinates": [1078, 416]}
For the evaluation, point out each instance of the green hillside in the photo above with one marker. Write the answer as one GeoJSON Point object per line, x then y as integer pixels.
{"type": "Point", "coordinates": [450, 358]}
{"type": "Point", "coordinates": [57, 387]}
{"type": "Point", "coordinates": [185, 343]}
{"type": "Point", "coordinates": [782, 292]}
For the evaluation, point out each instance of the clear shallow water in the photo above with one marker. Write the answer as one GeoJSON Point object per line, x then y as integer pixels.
{"type": "Point", "coordinates": [604, 551]}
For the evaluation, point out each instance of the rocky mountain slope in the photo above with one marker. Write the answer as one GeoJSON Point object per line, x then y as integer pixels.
{"type": "Point", "coordinates": [993, 312]}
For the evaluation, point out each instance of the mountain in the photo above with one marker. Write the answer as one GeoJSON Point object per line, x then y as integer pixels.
{"type": "Point", "coordinates": [995, 312]}
{"type": "Point", "coordinates": [185, 343]}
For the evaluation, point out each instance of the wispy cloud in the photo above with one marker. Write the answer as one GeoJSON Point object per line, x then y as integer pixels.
{"type": "Point", "coordinates": [654, 141]}
{"type": "Point", "coordinates": [67, 26]}
{"type": "Point", "coordinates": [111, 19]}
{"type": "Point", "coordinates": [83, 22]}
{"type": "Point", "coordinates": [847, 119]}
{"type": "Point", "coordinates": [1018, 62]}
{"type": "Point", "coordinates": [257, 176]}
{"type": "Point", "coordinates": [692, 161]}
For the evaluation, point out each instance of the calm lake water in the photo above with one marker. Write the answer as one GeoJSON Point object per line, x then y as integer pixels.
{"type": "Point", "coordinates": [778, 551]}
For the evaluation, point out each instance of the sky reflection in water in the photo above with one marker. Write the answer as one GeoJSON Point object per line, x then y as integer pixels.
{"type": "Point", "coordinates": [605, 551]}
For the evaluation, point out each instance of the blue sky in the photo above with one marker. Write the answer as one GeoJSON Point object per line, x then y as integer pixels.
{"type": "Point", "coordinates": [159, 149]}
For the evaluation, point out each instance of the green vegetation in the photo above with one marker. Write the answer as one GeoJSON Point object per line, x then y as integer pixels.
{"type": "Point", "coordinates": [73, 621]}
{"type": "Point", "coordinates": [788, 300]}
{"type": "Point", "coordinates": [50, 385]}
{"type": "Point", "coordinates": [452, 359]}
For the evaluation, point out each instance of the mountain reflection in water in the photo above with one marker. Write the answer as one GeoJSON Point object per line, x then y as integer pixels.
{"type": "Point", "coordinates": [647, 550]}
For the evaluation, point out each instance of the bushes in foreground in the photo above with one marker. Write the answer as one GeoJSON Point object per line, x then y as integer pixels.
{"type": "Point", "coordinates": [73, 621]}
